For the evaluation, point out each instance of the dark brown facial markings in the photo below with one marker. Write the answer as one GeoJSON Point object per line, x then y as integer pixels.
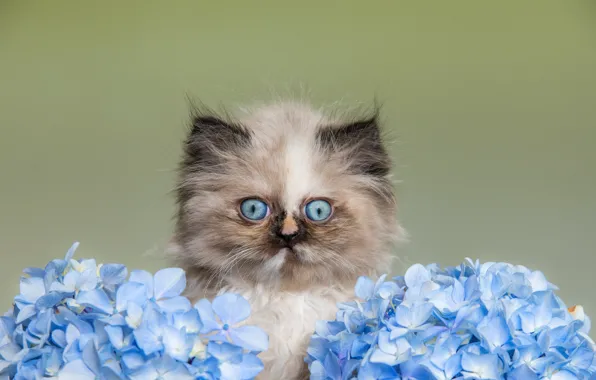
{"type": "Point", "coordinates": [287, 230]}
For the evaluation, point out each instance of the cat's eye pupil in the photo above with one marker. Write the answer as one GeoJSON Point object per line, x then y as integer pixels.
{"type": "Point", "coordinates": [254, 209]}
{"type": "Point", "coordinates": [318, 210]}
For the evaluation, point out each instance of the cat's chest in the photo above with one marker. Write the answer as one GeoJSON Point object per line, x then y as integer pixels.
{"type": "Point", "coordinates": [289, 316]}
{"type": "Point", "coordinates": [289, 319]}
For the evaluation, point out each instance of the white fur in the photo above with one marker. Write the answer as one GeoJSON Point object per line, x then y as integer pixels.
{"type": "Point", "coordinates": [295, 126]}
{"type": "Point", "coordinates": [289, 319]}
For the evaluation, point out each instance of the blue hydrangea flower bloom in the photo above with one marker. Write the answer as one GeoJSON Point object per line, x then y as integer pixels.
{"type": "Point", "coordinates": [474, 321]}
{"type": "Point", "coordinates": [76, 319]}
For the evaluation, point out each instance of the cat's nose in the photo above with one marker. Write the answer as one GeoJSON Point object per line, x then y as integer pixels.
{"type": "Point", "coordinates": [289, 230]}
{"type": "Point", "coordinates": [289, 227]}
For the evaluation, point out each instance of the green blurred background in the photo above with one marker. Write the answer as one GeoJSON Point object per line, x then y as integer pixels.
{"type": "Point", "coordinates": [493, 105]}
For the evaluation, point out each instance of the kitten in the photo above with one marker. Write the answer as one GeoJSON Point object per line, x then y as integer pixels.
{"type": "Point", "coordinates": [286, 206]}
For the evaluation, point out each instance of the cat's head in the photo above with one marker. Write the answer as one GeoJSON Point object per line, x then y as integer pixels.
{"type": "Point", "coordinates": [285, 194]}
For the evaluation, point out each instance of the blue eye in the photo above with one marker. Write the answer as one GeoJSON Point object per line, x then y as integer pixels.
{"type": "Point", "coordinates": [254, 209]}
{"type": "Point", "coordinates": [318, 210]}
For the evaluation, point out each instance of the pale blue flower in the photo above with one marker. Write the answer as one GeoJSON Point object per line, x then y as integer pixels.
{"type": "Point", "coordinates": [473, 321]}
{"type": "Point", "coordinates": [221, 316]}
{"type": "Point", "coordinates": [80, 320]}
{"type": "Point", "coordinates": [164, 288]}
{"type": "Point", "coordinates": [164, 368]}
{"type": "Point", "coordinates": [248, 367]}
{"type": "Point", "coordinates": [391, 352]}
{"type": "Point", "coordinates": [493, 329]}
{"type": "Point", "coordinates": [377, 371]}
{"type": "Point", "coordinates": [410, 319]}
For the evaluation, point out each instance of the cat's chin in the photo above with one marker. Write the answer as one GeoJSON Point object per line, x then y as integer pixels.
{"type": "Point", "coordinates": [285, 252]}
{"type": "Point", "coordinates": [283, 258]}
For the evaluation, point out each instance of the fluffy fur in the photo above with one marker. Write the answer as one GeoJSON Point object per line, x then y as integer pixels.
{"type": "Point", "coordinates": [285, 154]}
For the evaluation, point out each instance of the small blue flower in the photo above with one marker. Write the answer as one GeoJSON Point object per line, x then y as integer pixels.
{"type": "Point", "coordinates": [177, 343]}
{"type": "Point", "coordinates": [494, 330]}
{"type": "Point", "coordinates": [410, 319]}
{"type": "Point", "coordinates": [163, 367]}
{"type": "Point", "coordinates": [480, 366]}
{"type": "Point", "coordinates": [164, 288]}
{"type": "Point", "coordinates": [248, 367]}
{"type": "Point", "coordinates": [223, 314]}
{"type": "Point", "coordinates": [391, 352]}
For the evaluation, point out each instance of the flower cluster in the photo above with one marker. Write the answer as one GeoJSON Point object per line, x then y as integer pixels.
{"type": "Point", "coordinates": [474, 321]}
{"type": "Point", "coordinates": [75, 319]}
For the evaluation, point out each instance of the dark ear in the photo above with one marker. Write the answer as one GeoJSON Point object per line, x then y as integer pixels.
{"type": "Point", "coordinates": [361, 141]}
{"type": "Point", "coordinates": [218, 131]}
{"type": "Point", "coordinates": [210, 135]}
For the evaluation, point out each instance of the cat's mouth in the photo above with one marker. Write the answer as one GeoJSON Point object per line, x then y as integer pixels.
{"type": "Point", "coordinates": [282, 252]}
{"type": "Point", "coordinates": [287, 251]}
{"type": "Point", "coordinates": [290, 254]}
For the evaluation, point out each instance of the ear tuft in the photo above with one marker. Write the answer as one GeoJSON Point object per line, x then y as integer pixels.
{"type": "Point", "coordinates": [210, 136]}
{"type": "Point", "coordinates": [361, 142]}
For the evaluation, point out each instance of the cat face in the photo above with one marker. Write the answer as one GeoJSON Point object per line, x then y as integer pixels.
{"type": "Point", "coordinates": [285, 195]}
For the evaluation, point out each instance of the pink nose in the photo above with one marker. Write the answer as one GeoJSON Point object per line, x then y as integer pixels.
{"type": "Point", "coordinates": [289, 226]}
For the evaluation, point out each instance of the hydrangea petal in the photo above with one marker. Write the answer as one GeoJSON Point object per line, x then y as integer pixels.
{"type": "Point", "coordinates": [168, 283]}
{"type": "Point", "coordinates": [453, 366]}
{"type": "Point", "coordinates": [107, 373]}
{"type": "Point", "coordinates": [251, 338]}
{"type": "Point", "coordinates": [248, 368]}
{"type": "Point", "coordinates": [225, 352]}
{"type": "Point", "coordinates": [582, 358]}
{"type": "Point", "coordinates": [416, 276]}
{"type": "Point", "coordinates": [144, 372]}
{"type": "Point", "coordinates": [176, 343]}
{"type": "Point", "coordinates": [494, 330]}
{"type": "Point", "coordinates": [131, 292]}
{"type": "Point", "coordinates": [134, 315]}
{"type": "Point", "coordinates": [332, 366]}
{"type": "Point", "coordinates": [49, 300]}
{"type": "Point", "coordinates": [377, 371]}
{"type": "Point", "coordinates": [133, 360]}
{"type": "Point", "coordinates": [76, 370]}
{"type": "Point", "coordinates": [71, 251]}
{"type": "Point", "coordinates": [318, 348]}
{"type": "Point", "coordinates": [51, 362]}
{"type": "Point", "coordinates": [364, 288]}
{"type": "Point", "coordinates": [207, 316]}
{"type": "Point", "coordinates": [145, 278]}
{"type": "Point", "coordinates": [174, 304]}
{"type": "Point", "coordinates": [563, 375]}
{"type": "Point", "coordinates": [113, 274]}
{"type": "Point", "coordinates": [31, 289]}
{"type": "Point", "coordinates": [26, 313]}
{"type": "Point", "coordinates": [189, 320]}
{"type": "Point", "coordinates": [147, 340]}
{"type": "Point", "coordinates": [116, 336]}
{"type": "Point", "coordinates": [481, 366]}
{"type": "Point", "coordinates": [96, 299]}
{"type": "Point", "coordinates": [59, 338]}
{"type": "Point", "coordinates": [35, 272]}
{"type": "Point", "coordinates": [317, 371]}
{"type": "Point", "coordinates": [87, 280]}
{"type": "Point", "coordinates": [91, 358]}
{"type": "Point", "coordinates": [231, 308]}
